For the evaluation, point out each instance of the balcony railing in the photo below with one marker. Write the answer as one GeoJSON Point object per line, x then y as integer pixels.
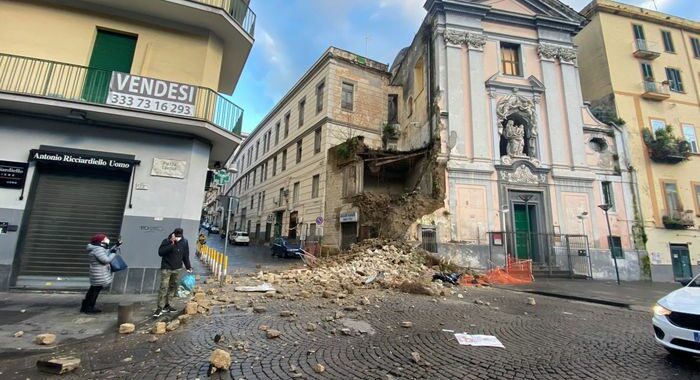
{"type": "Point", "coordinates": [655, 90]}
{"type": "Point", "coordinates": [238, 9]}
{"type": "Point", "coordinates": [57, 80]}
{"type": "Point", "coordinates": [645, 49]}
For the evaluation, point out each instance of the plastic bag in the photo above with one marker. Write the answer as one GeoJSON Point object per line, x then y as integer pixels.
{"type": "Point", "coordinates": [188, 281]}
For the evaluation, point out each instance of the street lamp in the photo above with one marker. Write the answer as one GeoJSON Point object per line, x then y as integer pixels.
{"type": "Point", "coordinates": [581, 217]}
{"type": "Point", "coordinates": [526, 198]}
{"type": "Point", "coordinates": [605, 208]}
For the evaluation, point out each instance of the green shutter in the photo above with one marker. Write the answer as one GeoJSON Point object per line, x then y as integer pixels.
{"type": "Point", "coordinates": [111, 52]}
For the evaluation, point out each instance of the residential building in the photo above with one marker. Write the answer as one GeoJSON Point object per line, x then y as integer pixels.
{"type": "Point", "coordinates": [642, 66]}
{"type": "Point", "coordinates": [281, 184]}
{"type": "Point", "coordinates": [519, 150]}
{"type": "Point", "coordinates": [111, 112]}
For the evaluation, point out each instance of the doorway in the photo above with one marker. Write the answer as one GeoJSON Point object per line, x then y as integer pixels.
{"type": "Point", "coordinates": [680, 259]}
{"type": "Point", "coordinates": [348, 234]}
{"type": "Point", "coordinates": [278, 223]}
{"type": "Point", "coordinates": [67, 206]}
{"type": "Point", "coordinates": [111, 52]}
{"type": "Point", "coordinates": [293, 225]}
{"type": "Point", "coordinates": [525, 223]}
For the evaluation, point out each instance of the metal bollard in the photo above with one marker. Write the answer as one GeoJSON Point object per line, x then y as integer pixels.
{"type": "Point", "coordinates": [124, 313]}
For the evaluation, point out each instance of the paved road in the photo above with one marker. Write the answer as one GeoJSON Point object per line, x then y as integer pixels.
{"type": "Point", "coordinates": [245, 259]}
{"type": "Point", "coordinates": [555, 339]}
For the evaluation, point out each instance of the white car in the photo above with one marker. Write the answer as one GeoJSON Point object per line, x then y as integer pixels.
{"type": "Point", "coordinates": [677, 319]}
{"type": "Point", "coordinates": [239, 237]}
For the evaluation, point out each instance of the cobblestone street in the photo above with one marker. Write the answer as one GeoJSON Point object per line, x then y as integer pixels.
{"type": "Point", "coordinates": [555, 339]}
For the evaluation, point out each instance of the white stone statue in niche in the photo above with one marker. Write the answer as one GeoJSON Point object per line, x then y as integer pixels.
{"type": "Point", "coordinates": [515, 134]}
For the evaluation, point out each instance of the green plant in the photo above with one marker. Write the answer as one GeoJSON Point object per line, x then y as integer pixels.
{"type": "Point", "coordinates": [646, 266]}
{"type": "Point", "coordinates": [389, 132]}
{"type": "Point", "coordinates": [666, 147]}
{"type": "Point", "coordinates": [348, 148]}
{"type": "Point", "coordinates": [607, 116]}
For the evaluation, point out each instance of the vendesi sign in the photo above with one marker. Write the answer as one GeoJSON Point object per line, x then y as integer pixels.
{"type": "Point", "coordinates": [78, 159]}
{"type": "Point", "coordinates": [12, 174]}
{"type": "Point", "coordinates": [150, 94]}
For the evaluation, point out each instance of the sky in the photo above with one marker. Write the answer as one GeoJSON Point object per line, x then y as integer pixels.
{"type": "Point", "coordinates": [290, 35]}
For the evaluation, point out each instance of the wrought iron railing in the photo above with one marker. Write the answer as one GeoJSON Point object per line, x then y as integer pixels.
{"type": "Point", "coordinates": [656, 87]}
{"type": "Point", "coordinates": [58, 80]}
{"type": "Point", "coordinates": [238, 9]}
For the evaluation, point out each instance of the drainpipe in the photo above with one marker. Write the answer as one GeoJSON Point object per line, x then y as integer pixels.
{"type": "Point", "coordinates": [633, 172]}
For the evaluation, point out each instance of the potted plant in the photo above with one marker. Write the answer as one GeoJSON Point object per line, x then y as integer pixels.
{"type": "Point", "coordinates": [666, 147]}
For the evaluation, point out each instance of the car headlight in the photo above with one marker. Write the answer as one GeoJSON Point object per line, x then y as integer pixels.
{"type": "Point", "coordinates": [660, 310]}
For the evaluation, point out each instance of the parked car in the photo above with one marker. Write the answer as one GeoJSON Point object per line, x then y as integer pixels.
{"type": "Point", "coordinates": [677, 319]}
{"type": "Point", "coordinates": [214, 229]}
{"type": "Point", "coordinates": [239, 237]}
{"type": "Point", "coordinates": [283, 247]}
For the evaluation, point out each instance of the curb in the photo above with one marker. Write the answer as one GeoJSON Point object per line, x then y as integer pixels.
{"type": "Point", "coordinates": [574, 298]}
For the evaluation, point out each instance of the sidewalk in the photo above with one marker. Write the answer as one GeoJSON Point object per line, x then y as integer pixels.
{"type": "Point", "coordinates": [637, 295]}
{"type": "Point", "coordinates": [58, 313]}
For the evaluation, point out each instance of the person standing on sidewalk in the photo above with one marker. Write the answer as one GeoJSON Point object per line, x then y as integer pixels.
{"type": "Point", "coordinates": [174, 251]}
{"type": "Point", "coordinates": [100, 256]}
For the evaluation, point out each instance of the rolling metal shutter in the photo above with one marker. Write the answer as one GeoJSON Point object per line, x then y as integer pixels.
{"type": "Point", "coordinates": [67, 208]}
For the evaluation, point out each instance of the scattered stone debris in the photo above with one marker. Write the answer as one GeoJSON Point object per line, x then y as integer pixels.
{"type": "Point", "coordinates": [127, 328]}
{"type": "Point", "coordinates": [158, 328]}
{"type": "Point", "coordinates": [531, 301]}
{"type": "Point", "coordinates": [220, 359]}
{"type": "Point", "coordinates": [319, 368]}
{"type": "Point", "coordinates": [263, 328]}
{"type": "Point", "coordinates": [45, 339]}
{"type": "Point", "coordinates": [259, 309]}
{"type": "Point", "coordinates": [126, 360]}
{"type": "Point", "coordinates": [218, 338]}
{"type": "Point", "coordinates": [153, 339]}
{"type": "Point", "coordinates": [415, 357]}
{"type": "Point", "coordinates": [191, 308]}
{"type": "Point", "coordinates": [19, 334]}
{"type": "Point", "coordinates": [172, 325]}
{"type": "Point", "coordinates": [310, 326]}
{"type": "Point", "coordinates": [287, 313]}
{"type": "Point", "coordinates": [407, 324]}
{"type": "Point", "coordinates": [272, 334]}
{"type": "Point", "coordinates": [58, 365]}
{"type": "Point", "coordinates": [346, 331]}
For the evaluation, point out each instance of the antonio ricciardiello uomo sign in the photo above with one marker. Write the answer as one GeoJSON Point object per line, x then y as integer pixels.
{"type": "Point", "coordinates": [150, 94]}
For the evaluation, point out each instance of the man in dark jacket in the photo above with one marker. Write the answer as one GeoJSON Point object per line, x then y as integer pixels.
{"type": "Point", "coordinates": [174, 251]}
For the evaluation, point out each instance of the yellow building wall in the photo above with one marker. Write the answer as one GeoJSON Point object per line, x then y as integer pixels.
{"type": "Point", "coordinates": [614, 34]}
{"type": "Point", "coordinates": [593, 61]}
{"type": "Point", "coordinates": [63, 34]}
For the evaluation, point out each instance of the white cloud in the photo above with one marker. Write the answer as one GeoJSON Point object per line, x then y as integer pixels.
{"type": "Point", "coordinates": [412, 10]}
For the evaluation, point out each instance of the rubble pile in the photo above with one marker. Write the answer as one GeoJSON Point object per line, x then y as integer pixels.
{"type": "Point", "coordinates": [371, 263]}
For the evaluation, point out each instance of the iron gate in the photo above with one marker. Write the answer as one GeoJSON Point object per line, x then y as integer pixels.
{"type": "Point", "coordinates": [429, 238]}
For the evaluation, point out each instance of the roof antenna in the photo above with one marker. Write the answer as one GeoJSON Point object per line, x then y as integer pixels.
{"type": "Point", "coordinates": [655, 7]}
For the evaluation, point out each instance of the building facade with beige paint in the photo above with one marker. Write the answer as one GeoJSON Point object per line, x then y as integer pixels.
{"type": "Point", "coordinates": [643, 67]}
{"type": "Point", "coordinates": [281, 184]}
{"type": "Point", "coordinates": [111, 112]}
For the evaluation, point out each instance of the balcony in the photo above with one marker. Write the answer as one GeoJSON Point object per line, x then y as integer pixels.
{"type": "Point", "coordinates": [655, 90]}
{"type": "Point", "coordinates": [644, 49]}
{"type": "Point", "coordinates": [679, 220]}
{"type": "Point", "coordinates": [230, 20]}
{"type": "Point", "coordinates": [34, 85]}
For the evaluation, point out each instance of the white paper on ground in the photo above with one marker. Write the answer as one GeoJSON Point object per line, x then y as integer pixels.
{"type": "Point", "coordinates": [465, 339]}
{"type": "Point", "coordinates": [265, 287]}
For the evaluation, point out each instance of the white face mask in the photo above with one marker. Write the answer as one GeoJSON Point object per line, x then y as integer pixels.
{"type": "Point", "coordinates": [178, 238]}
{"type": "Point", "coordinates": [105, 241]}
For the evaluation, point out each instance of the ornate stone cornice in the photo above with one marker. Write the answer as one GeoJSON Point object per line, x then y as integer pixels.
{"type": "Point", "coordinates": [552, 52]}
{"type": "Point", "coordinates": [458, 38]}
